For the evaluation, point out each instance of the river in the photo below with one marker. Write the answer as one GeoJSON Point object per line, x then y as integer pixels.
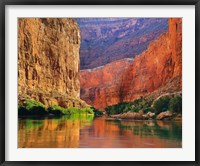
{"type": "Point", "coordinates": [85, 131]}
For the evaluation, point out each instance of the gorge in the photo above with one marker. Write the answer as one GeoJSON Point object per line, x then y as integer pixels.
{"type": "Point", "coordinates": [156, 71]}
{"type": "Point", "coordinates": [99, 83]}
{"type": "Point", "coordinates": [136, 57]}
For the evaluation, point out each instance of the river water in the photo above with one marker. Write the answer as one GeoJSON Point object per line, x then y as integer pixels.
{"type": "Point", "coordinates": [85, 131]}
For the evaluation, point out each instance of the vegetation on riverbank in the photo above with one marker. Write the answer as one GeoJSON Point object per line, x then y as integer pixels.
{"type": "Point", "coordinates": [139, 104]}
{"type": "Point", "coordinates": [34, 108]}
{"type": "Point", "coordinates": [97, 113]}
{"type": "Point", "coordinates": [169, 105]}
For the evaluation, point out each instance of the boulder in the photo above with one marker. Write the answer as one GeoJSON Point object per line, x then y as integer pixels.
{"type": "Point", "coordinates": [163, 115]}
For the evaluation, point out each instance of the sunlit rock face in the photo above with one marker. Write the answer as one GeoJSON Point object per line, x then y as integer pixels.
{"type": "Point", "coordinates": [157, 70]}
{"type": "Point", "coordinates": [104, 40]}
{"type": "Point", "coordinates": [48, 61]}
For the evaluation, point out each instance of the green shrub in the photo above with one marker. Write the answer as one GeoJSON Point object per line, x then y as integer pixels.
{"type": "Point", "coordinates": [74, 110]}
{"type": "Point", "coordinates": [71, 110]}
{"type": "Point", "coordinates": [175, 104]}
{"type": "Point", "coordinates": [56, 110]}
{"type": "Point", "coordinates": [29, 103]}
{"type": "Point", "coordinates": [38, 110]}
{"type": "Point", "coordinates": [86, 110]}
{"type": "Point", "coordinates": [117, 108]}
{"type": "Point", "coordinates": [32, 107]}
{"type": "Point", "coordinates": [148, 109]}
{"type": "Point", "coordinates": [97, 113]}
{"type": "Point", "coordinates": [134, 109]}
{"type": "Point", "coordinates": [143, 103]}
{"type": "Point", "coordinates": [22, 111]}
{"type": "Point", "coordinates": [134, 106]}
{"type": "Point", "coordinates": [89, 110]}
{"type": "Point", "coordinates": [161, 104]}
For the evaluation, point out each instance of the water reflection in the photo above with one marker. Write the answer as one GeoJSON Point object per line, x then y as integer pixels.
{"type": "Point", "coordinates": [52, 133]}
{"type": "Point", "coordinates": [132, 134]}
{"type": "Point", "coordinates": [84, 131]}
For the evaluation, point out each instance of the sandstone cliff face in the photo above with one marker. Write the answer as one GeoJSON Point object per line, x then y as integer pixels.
{"type": "Point", "coordinates": [48, 61]}
{"type": "Point", "coordinates": [156, 71]}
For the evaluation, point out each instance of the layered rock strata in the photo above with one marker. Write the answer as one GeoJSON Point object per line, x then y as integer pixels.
{"type": "Point", "coordinates": [48, 61]}
{"type": "Point", "coordinates": [99, 86]}
{"type": "Point", "coordinates": [158, 70]}
{"type": "Point", "coordinates": [104, 40]}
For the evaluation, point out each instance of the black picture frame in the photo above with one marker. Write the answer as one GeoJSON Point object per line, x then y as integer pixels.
{"type": "Point", "coordinates": [4, 3]}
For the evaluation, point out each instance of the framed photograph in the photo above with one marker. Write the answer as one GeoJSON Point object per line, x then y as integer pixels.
{"type": "Point", "coordinates": [100, 82]}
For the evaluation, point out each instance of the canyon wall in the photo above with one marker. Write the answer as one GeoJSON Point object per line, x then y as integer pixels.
{"type": "Point", "coordinates": [104, 40]}
{"type": "Point", "coordinates": [48, 61]}
{"type": "Point", "coordinates": [159, 68]}
{"type": "Point", "coordinates": [156, 71]}
{"type": "Point", "coordinates": [99, 86]}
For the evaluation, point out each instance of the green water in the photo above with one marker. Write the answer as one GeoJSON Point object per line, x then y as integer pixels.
{"type": "Point", "coordinates": [85, 131]}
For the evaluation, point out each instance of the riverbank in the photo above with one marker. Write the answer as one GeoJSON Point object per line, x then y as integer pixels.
{"type": "Point", "coordinates": [32, 108]}
{"type": "Point", "coordinates": [165, 107]}
{"type": "Point", "coordinates": [167, 115]}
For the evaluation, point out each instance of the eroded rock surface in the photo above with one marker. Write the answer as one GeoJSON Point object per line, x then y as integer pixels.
{"type": "Point", "coordinates": [163, 115]}
{"type": "Point", "coordinates": [104, 40]}
{"type": "Point", "coordinates": [156, 71]}
{"type": "Point", "coordinates": [48, 61]}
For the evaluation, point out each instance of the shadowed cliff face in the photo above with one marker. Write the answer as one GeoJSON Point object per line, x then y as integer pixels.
{"type": "Point", "coordinates": [156, 71]}
{"type": "Point", "coordinates": [159, 68]}
{"type": "Point", "coordinates": [48, 61]}
{"type": "Point", "coordinates": [104, 40]}
{"type": "Point", "coordinates": [99, 86]}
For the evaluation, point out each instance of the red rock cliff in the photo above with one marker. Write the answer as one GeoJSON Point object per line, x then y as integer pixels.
{"type": "Point", "coordinates": [99, 86]}
{"type": "Point", "coordinates": [48, 61]}
{"type": "Point", "coordinates": [156, 71]}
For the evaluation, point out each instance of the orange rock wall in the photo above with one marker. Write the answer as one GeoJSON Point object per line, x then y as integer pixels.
{"type": "Point", "coordinates": [48, 61]}
{"type": "Point", "coordinates": [157, 70]}
{"type": "Point", "coordinates": [99, 86]}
